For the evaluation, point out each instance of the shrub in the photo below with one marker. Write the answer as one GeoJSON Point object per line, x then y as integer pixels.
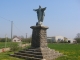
{"type": "Point", "coordinates": [78, 40]}
{"type": "Point", "coordinates": [14, 47]}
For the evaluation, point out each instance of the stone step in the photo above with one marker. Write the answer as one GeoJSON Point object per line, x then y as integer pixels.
{"type": "Point", "coordinates": [37, 53]}
{"type": "Point", "coordinates": [22, 51]}
{"type": "Point", "coordinates": [24, 57]}
{"type": "Point", "coordinates": [29, 58]}
{"type": "Point", "coordinates": [19, 56]}
{"type": "Point", "coordinates": [17, 53]}
{"type": "Point", "coordinates": [24, 54]}
{"type": "Point", "coordinates": [38, 56]}
{"type": "Point", "coordinates": [26, 51]}
{"type": "Point", "coordinates": [31, 49]}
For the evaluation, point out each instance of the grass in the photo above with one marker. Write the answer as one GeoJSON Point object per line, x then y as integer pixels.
{"type": "Point", "coordinates": [8, 44]}
{"type": "Point", "coordinates": [72, 51]}
{"type": "Point", "coordinates": [5, 56]}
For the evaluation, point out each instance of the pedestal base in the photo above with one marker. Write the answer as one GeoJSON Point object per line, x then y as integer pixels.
{"type": "Point", "coordinates": [38, 54]}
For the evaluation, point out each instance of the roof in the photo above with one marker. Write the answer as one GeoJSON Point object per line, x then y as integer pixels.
{"type": "Point", "coordinates": [17, 37]}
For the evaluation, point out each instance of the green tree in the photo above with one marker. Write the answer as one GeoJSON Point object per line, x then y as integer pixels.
{"type": "Point", "coordinates": [3, 39]}
{"type": "Point", "coordinates": [77, 38]}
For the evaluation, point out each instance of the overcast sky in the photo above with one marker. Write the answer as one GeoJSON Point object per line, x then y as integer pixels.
{"type": "Point", "coordinates": [61, 16]}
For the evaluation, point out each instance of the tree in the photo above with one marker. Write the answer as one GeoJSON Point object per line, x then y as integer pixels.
{"type": "Point", "coordinates": [78, 35]}
{"type": "Point", "coordinates": [14, 36]}
{"type": "Point", "coordinates": [3, 39]}
{"type": "Point", "coordinates": [77, 38]}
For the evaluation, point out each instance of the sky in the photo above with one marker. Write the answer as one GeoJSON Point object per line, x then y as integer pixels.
{"type": "Point", "coordinates": [61, 16]}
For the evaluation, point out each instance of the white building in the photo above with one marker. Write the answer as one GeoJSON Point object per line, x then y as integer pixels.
{"type": "Point", "coordinates": [71, 40]}
{"type": "Point", "coordinates": [58, 38]}
{"type": "Point", "coordinates": [55, 39]}
{"type": "Point", "coordinates": [16, 39]}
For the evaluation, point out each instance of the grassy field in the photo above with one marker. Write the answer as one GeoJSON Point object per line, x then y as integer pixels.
{"type": "Point", "coordinates": [2, 44]}
{"type": "Point", "coordinates": [5, 56]}
{"type": "Point", "coordinates": [8, 44]}
{"type": "Point", "coordinates": [72, 51]}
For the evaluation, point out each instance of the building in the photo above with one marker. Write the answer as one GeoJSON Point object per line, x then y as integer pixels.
{"type": "Point", "coordinates": [16, 39]}
{"type": "Point", "coordinates": [49, 39]}
{"type": "Point", "coordinates": [58, 38]}
{"type": "Point", "coordinates": [55, 39]}
{"type": "Point", "coordinates": [71, 41]}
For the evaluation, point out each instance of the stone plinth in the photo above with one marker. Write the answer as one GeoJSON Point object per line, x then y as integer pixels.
{"type": "Point", "coordinates": [39, 36]}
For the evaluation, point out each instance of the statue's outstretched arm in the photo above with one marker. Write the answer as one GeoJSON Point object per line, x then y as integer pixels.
{"type": "Point", "coordinates": [35, 9]}
{"type": "Point", "coordinates": [44, 8]}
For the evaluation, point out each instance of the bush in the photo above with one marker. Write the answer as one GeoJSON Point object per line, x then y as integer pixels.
{"type": "Point", "coordinates": [78, 40]}
{"type": "Point", "coordinates": [28, 40]}
{"type": "Point", "coordinates": [14, 47]}
{"type": "Point", "coordinates": [4, 39]}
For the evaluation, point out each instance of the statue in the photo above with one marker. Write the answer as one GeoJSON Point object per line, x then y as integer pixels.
{"type": "Point", "coordinates": [40, 14]}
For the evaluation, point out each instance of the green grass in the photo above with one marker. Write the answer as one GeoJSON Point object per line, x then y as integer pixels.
{"type": "Point", "coordinates": [2, 44]}
{"type": "Point", "coordinates": [5, 56]}
{"type": "Point", "coordinates": [8, 44]}
{"type": "Point", "coordinates": [72, 51]}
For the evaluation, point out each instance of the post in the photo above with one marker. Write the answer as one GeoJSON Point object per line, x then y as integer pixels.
{"type": "Point", "coordinates": [5, 41]}
{"type": "Point", "coordinates": [26, 35]}
{"type": "Point", "coordinates": [11, 29]}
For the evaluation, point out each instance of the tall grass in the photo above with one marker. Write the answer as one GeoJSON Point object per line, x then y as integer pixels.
{"type": "Point", "coordinates": [71, 51]}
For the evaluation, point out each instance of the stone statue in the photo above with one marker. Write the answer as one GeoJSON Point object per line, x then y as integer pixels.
{"type": "Point", "coordinates": [40, 14]}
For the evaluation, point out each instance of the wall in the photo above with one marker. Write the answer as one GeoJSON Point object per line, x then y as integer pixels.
{"type": "Point", "coordinates": [17, 40]}
{"type": "Point", "coordinates": [59, 37]}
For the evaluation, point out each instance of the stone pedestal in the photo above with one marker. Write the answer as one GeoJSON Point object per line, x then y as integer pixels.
{"type": "Point", "coordinates": [39, 42]}
{"type": "Point", "coordinates": [39, 36]}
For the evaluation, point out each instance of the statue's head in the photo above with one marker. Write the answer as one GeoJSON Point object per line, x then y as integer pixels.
{"type": "Point", "coordinates": [39, 6]}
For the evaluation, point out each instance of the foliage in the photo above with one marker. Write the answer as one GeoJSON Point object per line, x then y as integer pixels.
{"type": "Point", "coordinates": [28, 40]}
{"type": "Point", "coordinates": [78, 35]}
{"type": "Point", "coordinates": [4, 39]}
{"type": "Point", "coordinates": [72, 51]}
{"type": "Point", "coordinates": [5, 56]}
{"type": "Point", "coordinates": [78, 40]}
{"type": "Point", "coordinates": [14, 46]}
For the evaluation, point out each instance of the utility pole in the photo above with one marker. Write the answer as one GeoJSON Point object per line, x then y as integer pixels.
{"type": "Point", "coordinates": [5, 40]}
{"type": "Point", "coordinates": [11, 30]}
{"type": "Point", "coordinates": [26, 35]}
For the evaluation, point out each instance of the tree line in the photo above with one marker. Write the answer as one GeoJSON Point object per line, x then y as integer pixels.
{"type": "Point", "coordinates": [25, 40]}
